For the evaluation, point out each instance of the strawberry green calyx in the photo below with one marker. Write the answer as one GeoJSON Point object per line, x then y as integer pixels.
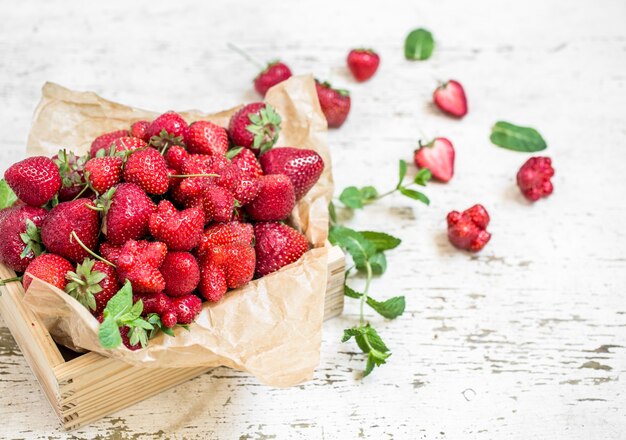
{"type": "Point", "coordinates": [84, 283]}
{"type": "Point", "coordinates": [265, 126]}
{"type": "Point", "coordinates": [70, 167]}
{"type": "Point", "coordinates": [32, 240]}
{"type": "Point", "coordinates": [342, 92]}
{"type": "Point", "coordinates": [164, 140]}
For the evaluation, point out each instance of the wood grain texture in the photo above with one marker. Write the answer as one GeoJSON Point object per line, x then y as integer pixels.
{"type": "Point", "coordinates": [524, 340]}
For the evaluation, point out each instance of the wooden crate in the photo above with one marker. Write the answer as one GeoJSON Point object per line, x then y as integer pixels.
{"type": "Point", "coordinates": [84, 388]}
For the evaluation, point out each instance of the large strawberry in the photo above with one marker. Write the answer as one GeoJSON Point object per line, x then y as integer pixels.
{"type": "Point", "coordinates": [103, 173]}
{"type": "Point", "coordinates": [50, 268]}
{"type": "Point", "coordinates": [303, 167]}
{"type": "Point", "coordinates": [438, 157]}
{"type": "Point", "coordinates": [205, 137]}
{"type": "Point", "coordinates": [105, 140]}
{"type": "Point", "coordinates": [181, 273]}
{"type": "Point", "coordinates": [168, 129]}
{"type": "Point", "coordinates": [224, 234]}
{"type": "Point", "coordinates": [275, 72]}
{"type": "Point", "coordinates": [363, 63]}
{"type": "Point", "coordinates": [21, 239]}
{"type": "Point", "coordinates": [93, 284]}
{"type": "Point", "coordinates": [277, 245]}
{"type": "Point", "coordinates": [255, 126]}
{"type": "Point", "coordinates": [147, 169]}
{"type": "Point", "coordinates": [34, 180]}
{"type": "Point", "coordinates": [179, 230]}
{"type": "Point", "coordinates": [335, 103]}
{"type": "Point", "coordinates": [276, 198]}
{"type": "Point", "coordinates": [65, 220]}
{"type": "Point", "coordinates": [450, 98]}
{"type": "Point", "coordinates": [139, 262]}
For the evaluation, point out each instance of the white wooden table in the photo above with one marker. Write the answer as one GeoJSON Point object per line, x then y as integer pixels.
{"type": "Point", "coordinates": [524, 340]}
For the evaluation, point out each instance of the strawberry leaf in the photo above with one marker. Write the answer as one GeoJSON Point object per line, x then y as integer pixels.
{"type": "Point", "coordinates": [382, 241]}
{"type": "Point", "coordinates": [517, 138]}
{"type": "Point", "coordinates": [419, 45]}
{"type": "Point", "coordinates": [7, 196]}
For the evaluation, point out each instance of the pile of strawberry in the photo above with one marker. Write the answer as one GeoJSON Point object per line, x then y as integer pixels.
{"type": "Point", "coordinates": [178, 213]}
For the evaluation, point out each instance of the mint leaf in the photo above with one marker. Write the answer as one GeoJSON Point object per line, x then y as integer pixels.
{"type": "Point", "coordinates": [369, 342]}
{"type": "Point", "coordinates": [517, 138]}
{"type": "Point", "coordinates": [422, 177]}
{"type": "Point", "coordinates": [401, 173]}
{"type": "Point", "coordinates": [390, 309]}
{"type": "Point", "coordinates": [375, 340]}
{"type": "Point", "coordinates": [351, 293]}
{"type": "Point", "coordinates": [368, 193]}
{"type": "Point", "coordinates": [351, 197]}
{"type": "Point", "coordinates": [381, 240]}
{"type": "Point", "coordinates": [352, 242]}
{"type": "Point", "coordinates": [109, 334]}
{"type": "Point", "coordinates": [120, 303]}
{"type": "Point", "coordinates": [378, 263]}
{"type": "Point", "coordinates": [7, 196]}
{"type": "Point", "coordinates": [332, 212]}
{"type": "Point", "coordinates": [415, 195]}
{"type": "Point", "coordinates": [419, 45]}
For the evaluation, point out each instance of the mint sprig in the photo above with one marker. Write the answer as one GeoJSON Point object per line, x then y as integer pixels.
{"type": "Point", "coordinates": [7, 196]}
{"type": "Point", "coordinates": [517, 138]}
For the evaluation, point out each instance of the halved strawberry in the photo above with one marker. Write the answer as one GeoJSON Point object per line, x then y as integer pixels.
{"type": "Point", "coordinates": [438, 157]}
{"type": "Point", "coordinates": [450, 98]}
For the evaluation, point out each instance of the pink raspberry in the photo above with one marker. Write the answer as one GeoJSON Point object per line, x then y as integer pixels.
{"type": "Point", "coordinates": [533, 178]}
{"type": "Point", "coordinates": [468, 230]}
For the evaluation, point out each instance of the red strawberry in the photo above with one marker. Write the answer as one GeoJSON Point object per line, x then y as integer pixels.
{"type": "Point", "coordinates": [335, 103]}
{"type": "Point", "coordinates": [93, 284]}
{"type": "Point", "coordinates": [110, 252]}
{"type": "Point", "coordinates": [533, 178]}
{"type": "Point", "coordinates": [34, 180]}
{"type": "Point", "coordinates": [139, 130]}
{"type": "Point", "coordinates": [139, 263]}
{"type": "Point", "coordinates": [247, 190]}
{"type": "Point", "coordinates": [67, 218]}
{"type": "Point", "coordinates": [438, 157]}
{"type": "Point", "coordinates": [158, 303]}
{"type": "Point", "coordinates": [217, 203]}
{"type": "Point", "coordinates": [147, 169]}
{"type": "Point", "coordinates": [274, 73]}
{"type": "Point", "coordinates": [450, 98]}
{"type": "Point", "coordinates": [127, 213]}
{"type": "Point", "coordinates": [103, 173]}
{"type": "Point", "coordinates": [468, 229]}
{"type": "Point", "coordinates": [226, 266]}
{"type": "Point", "coordinates": [71, 169]}
{"type": "Point", "coordinates": [276, 199]}
{"type": "Point", "coordinates": [125, 333]}
{"type": "Point", "coordinates": [21, 239]}
{"type": "Point", "coordinates": [212, 285]}
{"type": "Point", "coordinates": [180, 231]}
{"type": "Point", "coordinates": [363, 63]}
{"type": "Point", "coordinates": [247, 164]}
{"type": "Point", "coordinates": [181, 273]}
{"type": "Point", "coordinates": [127, 144]}
{"type": "Point", "coordinates": [255, 126]}
{"type": "Point", "coordinates": [175, 157]}
{"type": "Point", "coordinates": [168, 129]}
{"type": "Point", "coordinates": [187, 308]}
{"type": "Point", "coordinates": [49, 268]}
{"type": "Point", "coordinates": [205, 137]}
{"type": "Point", "coordinates": [225, 234]}
{"type": "Point", "coordinates": [169, 319]}
{"type": "Point", "coordinates": [105, 141]}
{"type": "Point", "coordinates": [303, 167]}
{"type": "Point", "coordinates": [277, 245]}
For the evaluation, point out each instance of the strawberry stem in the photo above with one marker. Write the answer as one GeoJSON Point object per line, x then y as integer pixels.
{"type": "Point", "coordinates": [368, 280]}
{"type": "Point", "coordinates": [82, 191]}
{"type": "Point", "coordinates": [194, 175]}
{"type": "Point", "coordinates": [246, 56]}
{"type": "Point", "coordinates": [89, 251]}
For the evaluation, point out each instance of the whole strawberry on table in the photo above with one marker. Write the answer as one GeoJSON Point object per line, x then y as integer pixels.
{"type": "Point", "coordinates": [158, 218]}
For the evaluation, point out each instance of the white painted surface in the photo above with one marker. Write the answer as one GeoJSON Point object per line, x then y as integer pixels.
{"type": "Point", "coordinates": [496, 345]}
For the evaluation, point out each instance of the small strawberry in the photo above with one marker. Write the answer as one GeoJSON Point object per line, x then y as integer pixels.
{"type": "Point", "coordinates": [168, 129]}
{"type": "Point", "coordinates": [103, 173]}
{"type": "Point", "coordinates": [335, 103]}
{"type": "Point", "coordinates": [468, 229]}
{"type": "Point", "coordinates": [71, 169]}
{"type": "Point", "coordinates": [147, 169]}
{"type": "Point", "coordinates": [139, 263]}
{"type": "Point", "coordinates": [303, 167]}
{"type": "Point", "coordinates": [276, 199]}
{"type": "Point", "coordinates": [363, 63]}
{"type": "Point", "coordinates": [450, 98]}
{"type": "Point", "coordinates": [158, 303]}
{"type": "Point", "coordinates": [187, 308]}
{"type": "Point", "coordinates": [533, 178]}
{"type": "Point", "coordinates": [49, 268]}
{"type": "Point", "coordinates": [21, 238]}
{"type": "Point", "coordinates": [66, 219]}
{"type": "Point", "coordinates": [125, 144]}
{"type": "Point", "coordinates": [175, 157]}
{"type": "Point", "coordinates": [34, 180]}
{"type": "Point", "coordinates": [255, 126]}
{"type": "Point", "coordinates": [139, 130]}
{"type": "Point", "coordinates": [438, 157]}
{"type": "Point", "coordinates": [169, 318]}
{"type": "Point", "coordinates": [180, 231]}
{"type": "Point", "coordinates": [93, 284]}
{"type": "Point", "coordinates": [275, 72]}
{"type": "Point", "coordinates": [246, 163]}
{"type": "Point", "coordinates": [110, 252]}
{"type": "Point", "coordinates": [105, 141]}
{"type": "Point", "coordinates": [226, 266]}
{"type": "Point", "coordinates": [181, 273]}
{"type": "Point", "coordinates": [277, 245]}
{"type": "Point", "coordinates": [217, 203]}
{"type": "Point", "coordinates": [126, 333]}
{"type": "Point", "coordinates": [205, 137]}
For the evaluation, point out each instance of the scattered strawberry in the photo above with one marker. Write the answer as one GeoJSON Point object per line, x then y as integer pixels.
{"type": "Point", "coordinates": [180, 231]}
{"type": "Point", "coordinates": [187, 308]}
{"type": "Point", "coordinates": [139, 130]}
{"type": "Point", "coordinates": [105, 141]}
{"type": "Point", "coordinates": [205, 137]}
{"type": "Point", "coordinates": [21, 239]}
{"type": "Point", "coordinates": [65, 219]}
{"type": "Point", "coordinates": [181, 273]}
{"type": "Point", "coordinates": [450, 98]}
{"type": "Point", "coordinates": [533, 178]}
{"type": "Point", "coordinates": [274, 73]}
{"type": "Point", "coordinates": [255, 126]}
{"type": "Point", "coordinates": [127, 211]}
{"type": "Point", "coordinates": [103, 173]}
{"type": "Point", "coordinates": [277, 245]}
{"type": "Point", "coordinates": [363, 63]}
{"type": "Point", "coordinates": [438, 157]}
{"type": "Point", "coordinates": [139, 263]}
{"type": "Point", "coordinates": [303, 167]}
{"type": "Point", "coordinates": [468, 230]}
{"type": "Point", "coordinates": [168, 129]}
{"type": "Point", "coordinates": [93, 284]}
{"type": "Point", "coordinates": [49, 268]}
{"type": "Point", "coordinates": [276, 199]}
{"type": "Point", "coordinates": [34, 180]}
{"type": "Point", "coordinates": [147, 169]}
{"type": "Point", "coordinates": [335, 103]}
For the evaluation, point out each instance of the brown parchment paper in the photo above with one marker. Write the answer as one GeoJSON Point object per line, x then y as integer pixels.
{"type": "Point", "coordinates": [272, 326]}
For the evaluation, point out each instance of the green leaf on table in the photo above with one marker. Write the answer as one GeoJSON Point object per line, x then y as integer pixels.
{"type": "Point", "coordinates": [381, 240]}
{"type": "Point", "coordinates": [422, 177]}
{"type": "Point", "coordinates": [415, 195]}
{"type": "Point", "coordinates": [351, 293]}
{"type": "Point", "coordinates": [419, 45]}
{"type": "Point", "coordinates": [7, 196]}
{"type": "Point", "coordinates": [368, 193]}
{"type": "Point", "coordinates": [401, 173]}
{"type": "Point", "coordinates": [517, 138]}
{"type": "Point", "coordinates": [332, 212]}
{"type": "Point", "coordinates": [378, 263]}
{"type": "Point", "coordinates": [369, 342]}
{"type": "Point", "coordinates": [109, 333]}
{"type": "Point", "coordinates": [352, 242]}
{"type": "Point", "coordinates": [351, 197]}
{"type": "Point", "coordinates": [390, 309]}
